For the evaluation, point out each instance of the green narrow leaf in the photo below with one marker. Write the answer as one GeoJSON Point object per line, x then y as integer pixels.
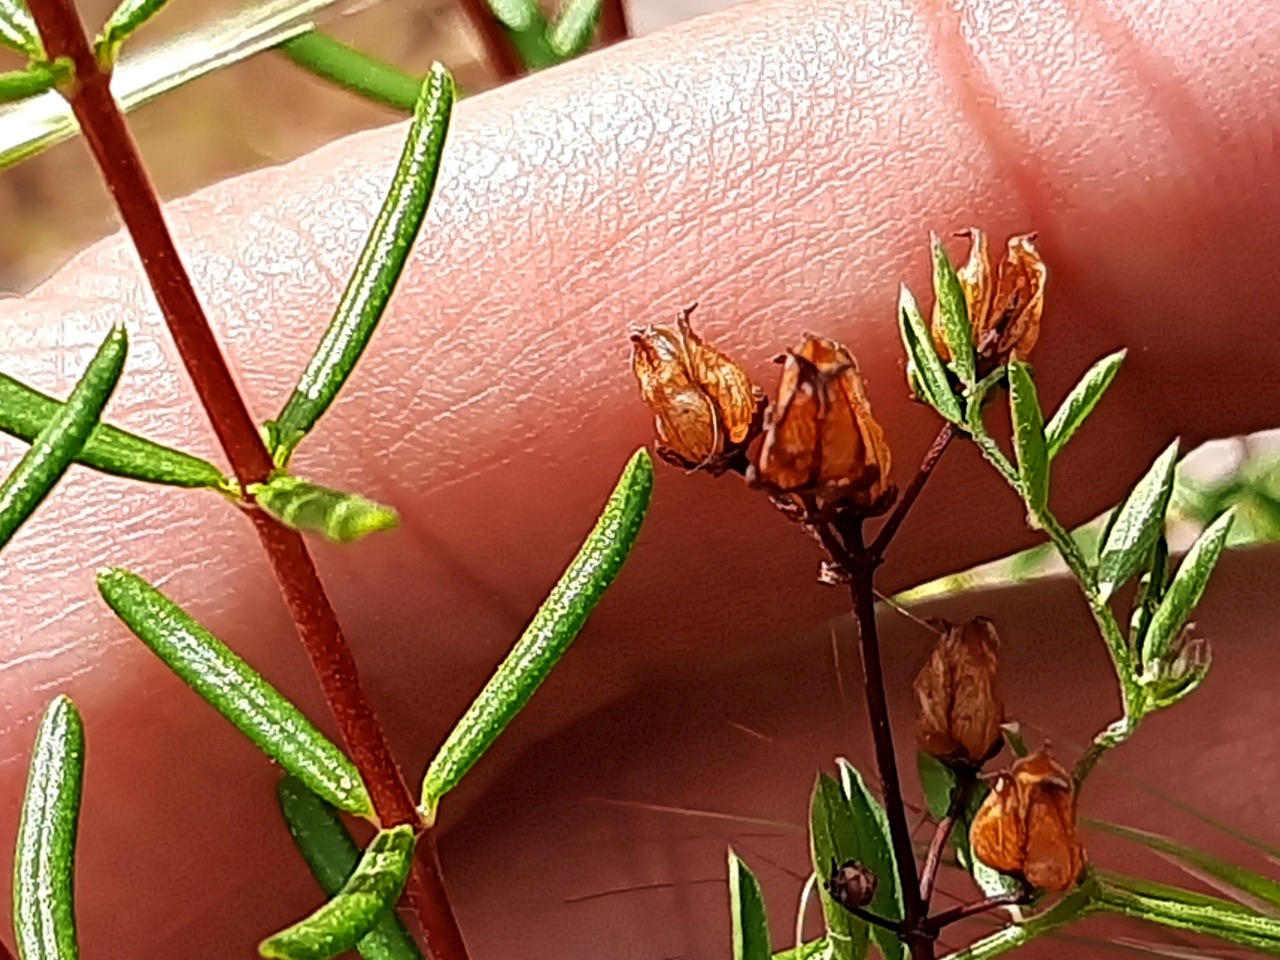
{"type": "Point", "coordinates": [235, 690]}
{"type": "Point", "coordinates": [1080, 402]}
{"type": "Point", "coordinates": [332, 855]}
{"type": "Point", "coordinates": [750, 921]}
{"type": "Point", "coordinates": [1133, 528]}
{"type": "Point", "coordinates": [44, 916]}
{"type": "Point", "coordinates": [377, 272]}
{"type": "Point", "coordinates": [936, 781]}
{"type": "Point", "coordinates": [833, 839]}
{"type": "Point", "coordinates": [367, 897]}
{"type": "Point", "coordinates": [18, 30]}
{"type": "Point", "coordinates": [526, 28]}
{"type": "Point", "coordinates": [35, 78]}
{"type": "Point", "coordinates": [55, 448]}
{"type": "Point", "coordinates": [812, 950]}
{"type": "Point", "coordinates": [559, 619]}
{"type": "Point", "coordinates": [932, 385]}
{"type": "Point", "coordinates": [24, 412]}
{"type": "Point", "coordinates": [953, 313]}
{"type": "Point", "coordinates": [1254, 885]}
{"type": "Point", "coordinates": [366, 76]}
{"type": "Point", "coordinates": [574, 29]}
{"type": "Point", "coordinates": [124, 21]}
{"type": "Point", "coordinates": [1151, 588]}
{"type": "Point", "coordinates": [1184, 592]}
{"type": "Point", "coordinates": [1186, 910]}
{"type": "Point", "coordinates": [340, 517]}
{"type": "Point", "coordinates": [872, 824]}
{"type": "Point", "coordinates": [1028, 438]}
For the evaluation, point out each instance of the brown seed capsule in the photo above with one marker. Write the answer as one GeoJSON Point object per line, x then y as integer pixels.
{"type": "Point", "coordinates": [820, 439]}
{"type": "Point", "coordinates": [851, 884]}
{"type": "Point", "coordinates": [705, 409]}
{"type": "Point", "coordinates": [958, 705]}
{"type": "Point", "coordinates": [1027, 824]}
{"type": "Point", "coordinates": [1008, 297]}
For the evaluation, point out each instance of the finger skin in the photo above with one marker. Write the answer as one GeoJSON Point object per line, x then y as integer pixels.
{"type": "Point", "coordinates": [782, 169]}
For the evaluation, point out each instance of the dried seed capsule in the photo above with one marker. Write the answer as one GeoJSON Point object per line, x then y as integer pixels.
{"type": "Point", "coordinates": [820, 439]}
{"type": "Point", "coordinates": [1008, 297]}
{"type": "Point", "coordinates": [959, 709]}
{"type": "Point", "coordinates": [706, 410]}
{"type": "Point", "coordinates": [1027, 824]}
{"type": "Point", "coordinates": [851, 884]}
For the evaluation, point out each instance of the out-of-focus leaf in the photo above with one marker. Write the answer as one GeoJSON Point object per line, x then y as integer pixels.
{"type": "Point", "coordinates": [366, 898]}
{"type": "Point", "coordinates": [750, 923]}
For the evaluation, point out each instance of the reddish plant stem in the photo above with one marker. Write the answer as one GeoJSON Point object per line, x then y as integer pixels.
{"type": "Point", "coordinates": [426, 891]}
{"type": "Point", "coordinates": [121, 165]}
{"type": "Point", "coordinates": [614, 27]}
{"type": "Point", "coordinates": [929, 874]}
{"type": "Point", "coordinates": [933, 859]}
{"type": "Point", "coordinates": [501, 53]}
{"type": "Point", "coordinates": [965, 910]}
{"type": "Point", "coordinates": [872, 919]}
{"type": "Point", "coordinates": [908, 498]}
{"type": "Point", "coordinates": [861, 566]}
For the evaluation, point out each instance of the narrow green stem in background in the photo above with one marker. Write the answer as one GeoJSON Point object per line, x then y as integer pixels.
{"type": "Point", "coordinates": [368, 292]}
{"type": "Point", "coordinates": [368, 896]}
{"type": "Point", "coordinates": [364, 75]}
{"type": "Point", "coordinates": [332, 855]}
{"type": "Point", "coordinates": [547, 638]}
{"type": "Point", "coordinates": [235, 690]}
{"type": "Point", "coordinates": [1185, 910]}
{"type": "Point", "coordinates": [24, 412]}
{"type": "Point", "coordinates": [56, 447]}
{"type": "Point", "coordinates": [1258, 888]}
{"type": "Point", "coordinates": [44, 918]}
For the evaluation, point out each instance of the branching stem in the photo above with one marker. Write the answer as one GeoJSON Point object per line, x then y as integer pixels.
{"type": "Point", "coordinates": [912, 491]}
{"type": "Point", "coordinates": [117, 156]}
{"type": "Point", "coordinates": [965, 910]}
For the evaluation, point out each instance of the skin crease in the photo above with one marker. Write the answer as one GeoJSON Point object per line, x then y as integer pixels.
{"type": "Point", "coordinates": [783, 168]}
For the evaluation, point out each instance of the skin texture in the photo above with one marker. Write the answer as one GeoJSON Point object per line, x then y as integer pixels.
{"type": "Point", "coordinates": [782, 164]}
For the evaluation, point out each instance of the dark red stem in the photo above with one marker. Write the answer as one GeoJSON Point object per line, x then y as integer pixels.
{"type": "Point", "coordinates": [929, 874]}
{"type": "Point", "coordinates": [908, 498]}
{"type": "Point", "coordinates": [955, 914]}
{"type": "Point", "coordinates": [501, 53]}
{"type": "Point", "coordinates": [614, 27]}
{"type": "Point", "coordinates": [117, 157]}
{"type": "Point", "coordinates": [861, 567]}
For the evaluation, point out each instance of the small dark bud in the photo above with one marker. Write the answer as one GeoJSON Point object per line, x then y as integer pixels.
{"type": "Point", "coordinates": [851, 885]}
